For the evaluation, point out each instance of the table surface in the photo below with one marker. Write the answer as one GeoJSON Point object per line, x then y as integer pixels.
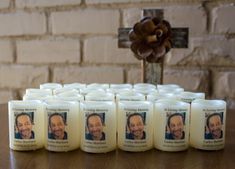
{"type": "Point", "coordinates": [152, 159]}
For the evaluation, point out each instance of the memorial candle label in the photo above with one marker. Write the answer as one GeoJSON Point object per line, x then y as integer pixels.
{"type": "Point", "coordinates": [208, 124]}
{"type": "Point", "coordinates": [190, 96]}
{"type": "Point", "coordinates": [62, 125]}
{"type": "Point", "coordinates": [98, 126]}
{"type": "Point", "coordinates": [26, 125]}
{"type": "Point", "coordinates": [135, 130]}
{"type": "Point", "coordinates": [171, 132]}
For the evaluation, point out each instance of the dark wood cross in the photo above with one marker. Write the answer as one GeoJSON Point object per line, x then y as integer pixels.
{"type": "Point", "coordinates": [153, 72]}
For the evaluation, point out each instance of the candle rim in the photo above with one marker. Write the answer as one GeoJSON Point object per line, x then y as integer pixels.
{"type": "Point", "coordinates": [209, 103]}
{"type": "Point", "coordinates": [171, 102]}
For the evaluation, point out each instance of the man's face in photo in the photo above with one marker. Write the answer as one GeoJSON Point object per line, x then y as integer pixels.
{"type": "Point", "coordinates": [95, 127]}
{"type": "Point", "coordinates": [57, 126]}
{"type": "Point", "coordinates": [136, 126]}
{"type": "Point", "coordinates": [24, 126]}
{"type": "Point", "coordinates": [176, 127]}
{"type": "Point", "coordinates": [215, 126]}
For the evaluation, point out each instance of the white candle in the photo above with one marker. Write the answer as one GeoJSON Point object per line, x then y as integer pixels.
{"type": "Point", "coordinates": [98, 85]}
{"type": "Point", "coordinates": [190, 96]}
{"type": "Point", "coordinates": [130, 96]}
{"type": "Point", "coordinates": [62, 125]}
{"type": "Point", "coordinates": [98, 126]}
{"type": "Point", "coordinates": [26, 125]}
{"type": "Point", "coordinates": [36, 96]}
{"type": "Point", "coordinates": [167, 86]}
{"type": "Point", "coordinates": [144, 85]}
{"type": "Point", "coordinates": [171, 130]}
{"type": "Point", "coordinates": [121, 86]}
{"type": "Point", "coordinates": [65, 90]}
{"type": "Point", "coordinates": [208, 120]}
{"type": "Point", "coordinates": [135, 128]}
{"type": "Point", "coordinates": [77, 98]}
{"type": "Point", "coordinates": [41, 91]}
{"type": "Point", "coordinates": [51, 86]}
{"type": "Point", "coordinates": [145, 91]}
{"type": "Point", "coordinates": [76, 86]}
{"type": "Point", "coordinates": [99, 96]}
{"type": "Point", "coordinates": [89, 90]}
{"type": "Point", "coordinates": [171, 90]}
{"type": "Point", "coordinates": [156, 96]}
{"type": "Point", "coordinates": [116, 91]}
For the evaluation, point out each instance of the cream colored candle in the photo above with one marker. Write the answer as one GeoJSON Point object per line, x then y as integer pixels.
{"type": "Point", "coordinates": [77, 97]}
{"type": "Point", "coordinates": [145, 91]}
{"type": "Point", "coordinates": [98, 126]}
{"type": "Point", "coordinates": [135, 125]}
{"type": "Point", "coordinates": [62, 125]}
{"type": "Point", "coordinates": [171, 90]}
{"type": "Point", "coordinates": [156, 96]}
{"type": "Point", "coordinates": [208, 121]}
{"type": "Point", "coordinates": [144, 85]}
{"type": "Point", "coordinates": [51, 86]}
{"type": "Point", "coordinates": [171, 130]}
{"type": "Point", "coordinates": [69, 94]}
{"type": "Point", "coordinates": [116, 91]}
{"type": "Point", "coordinates": [98, 85]}
{"type": "Point", "coordinates": [130, 96]}
{"type": "Point", "coordinates": [65, 90]}
{"type": "Point", "coordinates": [26, 125]}
{"type": "Point", "coordinates": [77, 86]}
{"type": "Point", "coordinates": [99, 96]}
{"type": "Point", "coordinates": [121, 86]}
{"type": "Point", "coordinates": [168, 86]}
{"type": "Point", "coordinates": [190, 96]}
{"type": "Point", "coordinates": [40, 91]}
{"type": "Point", "coordinates": [85, 91]}
{"type": "Point", "coordinates": [36, 96]}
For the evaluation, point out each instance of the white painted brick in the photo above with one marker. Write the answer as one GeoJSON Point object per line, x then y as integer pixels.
{"type": "Point", "coordinates": [134, 76]}
{"type": "Point", "coordinates": [190, 80]}
{"type": "Point", "coordinates": [4, 3]}
{"type": "Point", "coordinates": [105, 50]}
{"type": "Point", "coordinates": [45, 3]}
{"type": "Point", "coordinates": [20, 76]}
{"type": "Point", "coordinates": [6, 95]}
{"type": "Point", "coordinates": [6, 51]}
{"type": "Point", "coordinates": [223, 19]}
{"type": "Point", "coordinates": [117, 1]}
{"type": "Point", "coordinates": [224, 83]}
{"type": "Point", "coordinates": [206, 50]}
{"type": "Point", "coordinates": [89, 74]}
{"type": "Point", "coordinates": [85, 22]}
{"type": "Point", "coordinates": [176, 55]}
{"type": "Point", "coordinates": [22, 23]}
{"type": "Point", "coordinates": [48, 51]}
{"type": "Point", "coordinates": [193, 17]}
{"type": "Point", "coordinates": [131, 16]}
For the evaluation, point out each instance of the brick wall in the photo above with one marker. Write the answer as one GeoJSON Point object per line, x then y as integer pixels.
{"type": "Point", "coordinates": [76, 41]}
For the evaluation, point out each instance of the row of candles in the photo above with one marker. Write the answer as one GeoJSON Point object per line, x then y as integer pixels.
{"type": "Point", "coordinates": [98, 118]}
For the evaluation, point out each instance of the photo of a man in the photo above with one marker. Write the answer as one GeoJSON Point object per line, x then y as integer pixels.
{"type": "Point", "coordinates": [214, 126]}
{"type": "Point", "coordinates": [56, 127]}
{"type": "Point", "coordinates": [175, 127]}
{"type": "Point", "coordinates": [94, 124]}
{"type": "Point", "coordinates": [24, 125]}
{"type": "Point", "coordinates": [135, 127]}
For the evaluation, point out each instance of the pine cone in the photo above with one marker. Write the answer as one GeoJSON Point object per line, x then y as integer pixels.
{"type": "Point", "coordinates": [151, 39]}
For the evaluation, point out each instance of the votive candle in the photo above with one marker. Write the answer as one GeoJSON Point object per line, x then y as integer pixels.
{"type": "Point", "coordinates": [208, 121]}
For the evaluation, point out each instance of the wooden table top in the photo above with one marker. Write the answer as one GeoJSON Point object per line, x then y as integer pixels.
{"type": "Point", "coordinates": [152, 159]}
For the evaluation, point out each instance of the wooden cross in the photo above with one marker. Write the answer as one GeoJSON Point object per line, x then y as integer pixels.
{"type": "Point", "coordinates": [153, 72]}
